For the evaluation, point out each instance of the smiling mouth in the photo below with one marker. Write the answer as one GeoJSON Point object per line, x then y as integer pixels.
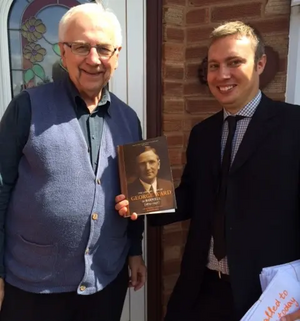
{"type": "Point", "coordinates": [92, 73]}
{"type": "Point", "coordinates": [225, 89]}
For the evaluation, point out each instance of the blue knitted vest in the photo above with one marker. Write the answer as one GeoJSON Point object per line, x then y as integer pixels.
{"type": "Point", "coordinates": [62, 232]}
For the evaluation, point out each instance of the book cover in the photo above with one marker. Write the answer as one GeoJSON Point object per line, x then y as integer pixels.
{"type": "Point", "coordinates": [146, 177]}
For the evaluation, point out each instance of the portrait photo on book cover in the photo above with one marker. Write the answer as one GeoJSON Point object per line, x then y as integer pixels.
{"type": "Point", "coordinates": [150, 184]}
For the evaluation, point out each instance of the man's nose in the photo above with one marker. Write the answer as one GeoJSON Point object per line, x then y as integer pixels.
{"type": "Point", "coordinates": [93, 57]}
{"type": "Point", "coordinates": [224, 72]}
{"type": "Point", "coordinates": [148, 166]}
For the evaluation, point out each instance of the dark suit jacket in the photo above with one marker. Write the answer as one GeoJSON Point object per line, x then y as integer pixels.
{"type": "Point", "coordinates": [136, 188]}
{"type": "Point", "coordinates": [262, 208]}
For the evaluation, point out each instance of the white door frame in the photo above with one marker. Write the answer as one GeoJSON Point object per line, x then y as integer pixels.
{"type": "Point", "coordinates": [5, 81]}
{"type": "Point", "coordinates": [129, 84]}
{"type": "Point", "coordinates": [293, 70]}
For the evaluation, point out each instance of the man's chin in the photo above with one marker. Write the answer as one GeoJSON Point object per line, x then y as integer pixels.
{"type": "Point", "coordinates": [92, 89]}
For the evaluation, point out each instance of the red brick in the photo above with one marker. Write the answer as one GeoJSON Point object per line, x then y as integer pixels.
{"type": "Point", "coordinates": [173, 15]}
{"type": "Point", "coordinates": [183, 155]}
{"type": "Point", "coordinates": [177, 2]}
{"type": "Point", "coordinates": [196, 52]}
{"type": "Point", "coordinates": [199, 106]}
{"type": "Point", "coordinates": [175, 238]}
{"type": "Point", "coordinates": [196, 34]}
{"type": "Point", "coordinates": [277, 96]}
{"type": "Point", "coordinates": [197, 16]}
{"type": "Point", "coordinates": [201, 3]}
{"type": "Point", "coordinates": [172, 89]}
{"type": "Point", "coordinates": [277, 7]}
{"type": "Point", "coordinates": [173, 106]}
{"type": "Point", "coordinates": [169, 282]}
{"type": "Point", "coordinates": [185, 226]}
{"type": "Point", "coordinates": [173, 52]}
{"type": "Point", "coordinates": [177, 173]}
{"type": "Point", "coordinates": [172, 125]}
{"type": "Point", "coordinates": [283, 65]}
{"type": "Point", "coordinates": [252, 9]}
{"type": "Point", "coordinates": [174, 34]}
{"type": "Point", "coordinates": [191, 122]}
{"type": "Point", "coordinates": [196, 88]}
{"type": "Point", "coordinates": [171, 267]}
{"type": "Point", "coordinates": [173, 71]}
{"type": "Point", "coordinates": [275, 25]}
{"type": "Point", "coordinates": [192, 71]}
{"type": "Point", "coordinates": [175, 156]}
{"type": "Point", "coordinates": [186, 138]}
{"type": "Point", "coordinates": [172, 228]}
{"type": "Point", "coordinates": [171, 252]}
{"type": "Point", "coordinates": [175, 140]}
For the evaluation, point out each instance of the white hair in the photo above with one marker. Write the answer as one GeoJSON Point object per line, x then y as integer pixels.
{"type": "Point", "coordinates": [91, 9]}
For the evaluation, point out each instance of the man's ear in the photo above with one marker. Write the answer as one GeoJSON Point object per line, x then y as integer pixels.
{"type": "Point", "coordinates": [117, 57]}
{"type": "Point", "coordinates": [261, 64]}
{"type": "Point", "coordinates": [158, 162]}
{"type": "Point", "coordinates": [62, 54]}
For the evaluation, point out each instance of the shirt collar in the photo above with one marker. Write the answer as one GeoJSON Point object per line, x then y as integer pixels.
{"type": "Point", "coordinates": [249, 109]}
{"type": "Point", "coordinates": [74, 95]}
{"type": "Point", "coordinates": [148, 186]}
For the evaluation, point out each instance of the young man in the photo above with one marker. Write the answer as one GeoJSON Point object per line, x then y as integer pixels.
{"type": "Point", "coordinates": [66, 251]}
{"type": "Point", "coordinates": [240, 186]}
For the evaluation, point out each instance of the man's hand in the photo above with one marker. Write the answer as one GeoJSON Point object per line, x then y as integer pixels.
{"type": "Point", "coordinates": [292, 317]}
{"type": "Point", "coordinates": [122, 206]}
{"type": "Point", "coordinates": [1, 292]}
{"type": "Point", "coordinates": [138, 272]}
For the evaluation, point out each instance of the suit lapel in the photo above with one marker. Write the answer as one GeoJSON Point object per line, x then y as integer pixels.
{"type": "Point", "coordinates": [261, 125]}
{"type": "Point", "coordinates": [214, 138]}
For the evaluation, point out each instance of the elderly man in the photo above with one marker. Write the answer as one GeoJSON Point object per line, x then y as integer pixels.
{"type": "Point", "coordinates": [240, 187]}
{"type": "Point", "coordinates": [67, 251]}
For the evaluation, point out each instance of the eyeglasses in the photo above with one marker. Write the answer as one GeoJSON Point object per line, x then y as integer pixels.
{"type": "Point", "coordinates": [84, 48]}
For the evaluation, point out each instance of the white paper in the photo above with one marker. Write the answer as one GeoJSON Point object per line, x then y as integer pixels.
{"type": "Point", "coordinates": [281, 293]}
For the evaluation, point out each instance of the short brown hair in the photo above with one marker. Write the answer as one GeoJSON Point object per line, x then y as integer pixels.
{"type": "Point", "coordinates": [144, 149]}
{"type": "Point", "coordinates": [242, 29]}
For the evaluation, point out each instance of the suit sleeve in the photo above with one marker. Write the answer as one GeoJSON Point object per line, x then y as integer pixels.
{"type": "Point", "coordinates": [183, 192]}
{"type": "Point", "coordinates": [136, 228]}
{"type": "Point", "coordinates": [14, 131]}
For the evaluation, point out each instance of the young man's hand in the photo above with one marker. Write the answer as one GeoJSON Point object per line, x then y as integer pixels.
{"type": "Point", "coordinates": [122, 206]}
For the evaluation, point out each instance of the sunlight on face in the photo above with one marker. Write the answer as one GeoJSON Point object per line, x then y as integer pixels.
{"type": "Point", "coordinates": [89, 73]}
{"type": "Point", "coordinates": [233, 76]}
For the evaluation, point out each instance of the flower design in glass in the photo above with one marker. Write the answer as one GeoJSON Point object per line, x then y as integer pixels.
{"type": "Point", "coordinates": [33, 29]}
{"type": "Point", "coordinates": [34, 52]}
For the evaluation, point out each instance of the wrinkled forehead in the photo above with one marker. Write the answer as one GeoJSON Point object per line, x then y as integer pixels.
{"type": "Point", "coordinates": [90, 28]}
{"type": "Point", "coordinates": [147, 157]}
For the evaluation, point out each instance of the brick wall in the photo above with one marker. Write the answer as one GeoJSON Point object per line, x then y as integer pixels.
{"type": "Point", "coordinates": [186, 26]}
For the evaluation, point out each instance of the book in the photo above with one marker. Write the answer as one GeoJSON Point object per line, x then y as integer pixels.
{"type": "Point", "coordinates": [146, 177]}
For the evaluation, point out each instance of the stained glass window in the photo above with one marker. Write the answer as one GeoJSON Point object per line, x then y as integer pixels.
{"type": "Point", "coordinates": [33, 40]}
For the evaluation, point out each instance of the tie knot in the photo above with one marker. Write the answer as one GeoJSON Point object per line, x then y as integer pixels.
{"type": "Point", "coordinates": [232, 121]}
